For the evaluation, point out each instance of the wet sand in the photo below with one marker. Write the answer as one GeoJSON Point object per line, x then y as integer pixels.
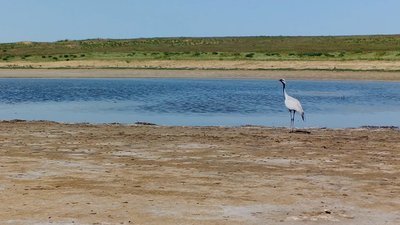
{"type": "Point", "coordinates": [207, 74]}
{"type": "Point", "coordinates": [55, 173]}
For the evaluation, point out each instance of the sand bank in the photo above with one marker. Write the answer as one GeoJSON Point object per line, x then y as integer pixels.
{"type": "Point", "coordinates": [362, 65]}
{"type": "Point", "coordinates": [55, 173]}
{"type": "Point", "coordinates": [219, 74]}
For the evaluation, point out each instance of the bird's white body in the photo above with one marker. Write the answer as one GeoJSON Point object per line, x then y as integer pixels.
{"type": "Point", "coordinates": [292, 104]}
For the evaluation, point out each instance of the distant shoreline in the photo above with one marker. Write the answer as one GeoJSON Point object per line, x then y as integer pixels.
{"type": "Point", "coordinates": [268, 65]}
{"type": "Point", "coordinates": [202, 74]}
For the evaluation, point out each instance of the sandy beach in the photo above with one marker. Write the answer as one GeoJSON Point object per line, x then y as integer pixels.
{"type": "Point", "coordinates": [200, 73]}
{"type": "Point", "coordinates": [355, 65]}
{"type": "Point", "coordinates": [242, 69]}
{"type": "Point", "coordinates": [55, 173]}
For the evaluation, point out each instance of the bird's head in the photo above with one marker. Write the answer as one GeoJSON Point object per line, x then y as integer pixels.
{"type": "Point", "coordinates": [282, 81]}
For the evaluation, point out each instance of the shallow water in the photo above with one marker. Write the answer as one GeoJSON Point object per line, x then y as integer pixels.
{"type": "Point", "coordinates": [334, 104]}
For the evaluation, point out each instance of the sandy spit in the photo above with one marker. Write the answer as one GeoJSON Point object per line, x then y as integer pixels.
{"type": "Point", "coordinates": [54, 173]}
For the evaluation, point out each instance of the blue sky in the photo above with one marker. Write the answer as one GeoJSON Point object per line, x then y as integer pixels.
{"type": "Point", "coordinates": [51, 20]}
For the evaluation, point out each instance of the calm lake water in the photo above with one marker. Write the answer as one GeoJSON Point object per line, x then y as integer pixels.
{"type": "Point", "coordinates": [201, 102]}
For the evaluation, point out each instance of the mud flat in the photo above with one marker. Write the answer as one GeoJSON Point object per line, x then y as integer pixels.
{"type": "Point", "coordinates": [54, 173]}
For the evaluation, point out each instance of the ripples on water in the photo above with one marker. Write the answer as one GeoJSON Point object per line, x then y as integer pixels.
{"type": "Point", "coordinates": [199, 102]}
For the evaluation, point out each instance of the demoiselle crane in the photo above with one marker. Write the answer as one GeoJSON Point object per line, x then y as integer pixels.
{"type": "Point", "coordinates": [292, 104]}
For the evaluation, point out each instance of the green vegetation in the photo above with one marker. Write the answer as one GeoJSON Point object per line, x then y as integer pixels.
{"type": "Point", "coordinates": [377, 47]}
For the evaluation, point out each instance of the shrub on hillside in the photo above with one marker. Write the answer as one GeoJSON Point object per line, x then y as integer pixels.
{"type": "Point", "coordinates": [312, 54]}
{"type": "Point", "coordinates": [249, 55]}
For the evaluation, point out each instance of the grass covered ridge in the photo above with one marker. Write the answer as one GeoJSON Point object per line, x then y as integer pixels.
{"type": "Point", "coordinates": [326, 48]}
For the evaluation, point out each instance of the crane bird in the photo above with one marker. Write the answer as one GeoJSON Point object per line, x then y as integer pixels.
{"type": "Point", "coordinates": [292, 104]}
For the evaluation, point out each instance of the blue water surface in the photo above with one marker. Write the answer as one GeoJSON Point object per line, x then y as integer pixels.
{"type": "Point", "coordinates": [200, 102]}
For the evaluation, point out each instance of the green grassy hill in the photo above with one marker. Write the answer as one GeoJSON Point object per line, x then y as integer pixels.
{"type": "Point", "coordinates": [377, 47]}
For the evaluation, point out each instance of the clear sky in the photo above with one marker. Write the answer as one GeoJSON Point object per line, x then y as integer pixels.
{"type": "Point", "coordinates": [51, 20]}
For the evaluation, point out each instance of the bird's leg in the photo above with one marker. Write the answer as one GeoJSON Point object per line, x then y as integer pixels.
{"type": "Point", "coordinates": [291, 120]}
{"type": "Point", "coordinates": [294, 112]}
